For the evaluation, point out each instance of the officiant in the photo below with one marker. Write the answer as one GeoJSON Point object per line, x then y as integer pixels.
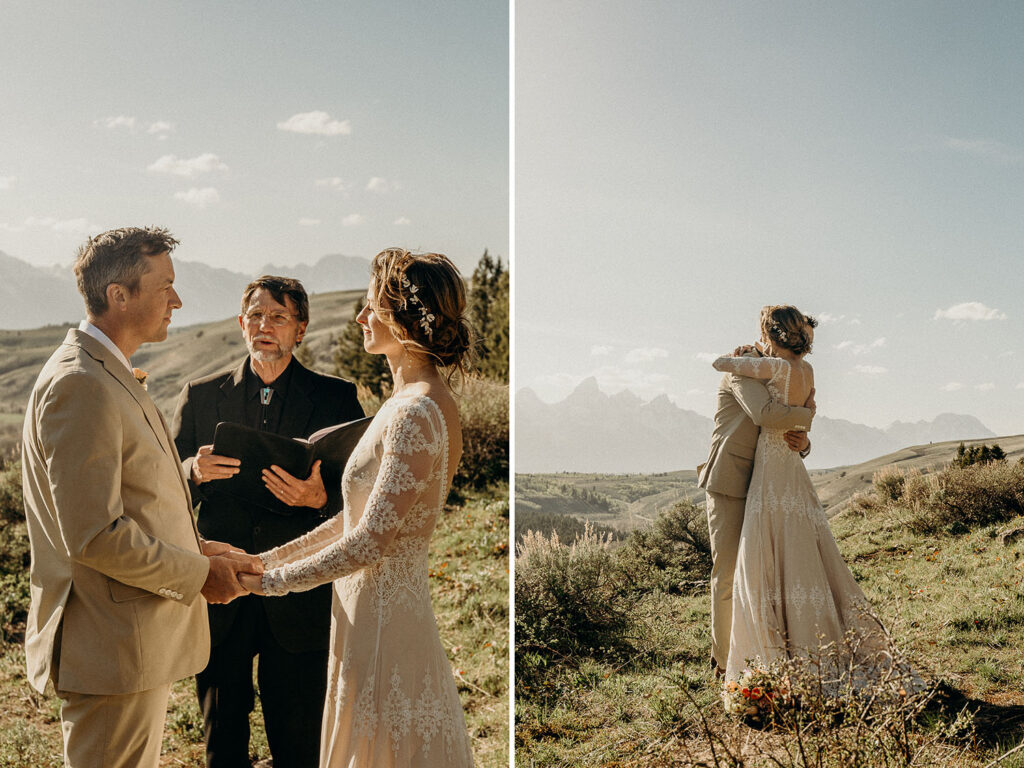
{"type": "Point", "coordinates": [269, 391]}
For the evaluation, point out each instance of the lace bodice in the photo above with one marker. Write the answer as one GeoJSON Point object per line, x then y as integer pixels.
{"type": "Point", "coordinates": [393, 488]}
{"type": "Point", "coordinates": [780, 376]}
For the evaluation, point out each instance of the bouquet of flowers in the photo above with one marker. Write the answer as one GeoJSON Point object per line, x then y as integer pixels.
{"type": "Point", "coordinates": [760, 691]}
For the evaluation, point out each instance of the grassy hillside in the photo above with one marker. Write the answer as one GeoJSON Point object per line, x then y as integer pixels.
{"type": "Point", "coordinates": [187, 353]}
{"type": "Point", "coordinates": [632, 687]}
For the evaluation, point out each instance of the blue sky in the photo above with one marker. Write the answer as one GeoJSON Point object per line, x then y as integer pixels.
{"type": "Point", "coordinates": [679, 165]}
{"type": "Point", "coordinates": [256, 131]}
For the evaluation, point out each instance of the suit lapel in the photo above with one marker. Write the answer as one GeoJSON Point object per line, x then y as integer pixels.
{"type": "Point", "coordinates": [231, 404]}
{"type": "Point", "coordinates": [115, 368]}
{"type": "Point", "coordinates": [298, 406]}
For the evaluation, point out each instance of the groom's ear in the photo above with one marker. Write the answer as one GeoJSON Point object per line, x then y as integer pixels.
{"type": "Point", "coordinates": [117, 296]}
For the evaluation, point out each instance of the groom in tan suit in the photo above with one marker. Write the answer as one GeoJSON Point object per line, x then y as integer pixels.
{"type": "Point", "coordinates": [744, 406]}
{"type": "Point", "coordinates": [117, 563]}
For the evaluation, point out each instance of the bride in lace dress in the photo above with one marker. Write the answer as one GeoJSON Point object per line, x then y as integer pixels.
{"type": "Point", "coordinates": [792, 591]}
{"type": "Point", "coordinates": [391, 696]}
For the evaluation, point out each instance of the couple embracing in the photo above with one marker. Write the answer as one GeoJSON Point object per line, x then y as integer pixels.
{"type": "Point", "coordinates": [121, 575]}
{"type": "Point", "coordinates": [779, 585]}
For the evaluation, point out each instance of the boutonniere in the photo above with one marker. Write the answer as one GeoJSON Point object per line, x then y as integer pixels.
{"type": "Point", "coordinates": [140, 376]}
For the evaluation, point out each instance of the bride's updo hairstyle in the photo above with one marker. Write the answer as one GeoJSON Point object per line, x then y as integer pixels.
{"type": "Point", "coordinates": [422, 299]}
{"type": "Point", "coordinates": [785, 327]}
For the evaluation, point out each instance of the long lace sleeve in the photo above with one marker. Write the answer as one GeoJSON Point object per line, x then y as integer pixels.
{"type": "Point", "coordinates": [323, 535]}
{"type": "Point", "coordinates": [412, 444]}
{"type": "Point", "coordinates": [751, 367]}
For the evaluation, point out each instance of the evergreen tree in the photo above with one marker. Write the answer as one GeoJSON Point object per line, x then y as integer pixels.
{"type": "Point", "coordinates": [304, 354]}
{"type": "Point", "coordinates": [353, 362]}
{"type": "Point", "coordinates": [997, 453]}
{"type": "Point", "coordinates": [488, 311]}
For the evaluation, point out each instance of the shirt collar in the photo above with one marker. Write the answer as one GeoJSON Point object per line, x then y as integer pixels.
{"type": "Point", "coordinates": [86, 327]}
{"type": "Point", "coordinates": [254, 384]}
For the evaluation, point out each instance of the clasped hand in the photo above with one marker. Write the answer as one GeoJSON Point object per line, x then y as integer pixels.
{"type": "Point", "coordinates": [233, 573]}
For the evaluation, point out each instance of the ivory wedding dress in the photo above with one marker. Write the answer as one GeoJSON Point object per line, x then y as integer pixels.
{"type": "Point", "coordinates": [391, 696]}
{"type": "Point", "coordinates": [792, 591]}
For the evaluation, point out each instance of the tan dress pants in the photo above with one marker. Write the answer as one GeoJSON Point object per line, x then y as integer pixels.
{"type": "Point", "coordinates": [725, 521]}
{"type": "Point", "coordinates": [117, 731]}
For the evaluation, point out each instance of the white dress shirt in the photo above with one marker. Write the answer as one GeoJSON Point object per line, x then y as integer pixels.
{"type": "Point", "coordinates": [86, 327]}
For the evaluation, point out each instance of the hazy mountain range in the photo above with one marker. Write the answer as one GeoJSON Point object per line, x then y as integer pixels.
{"type": "Point", "coordinates": [32, 296]}
{"type": "Point", "coordinates": [591, 431]}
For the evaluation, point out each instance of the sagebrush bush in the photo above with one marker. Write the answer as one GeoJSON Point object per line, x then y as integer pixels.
{"type": "Point", "coordinates": [888, 483]}
{"type": "Point", "coordinates": [954, 500]}
{"type": "Point", "coordinates": [14, 554]}
{"type": "Point", "coordinates": [978, 495]}
{"type": "Point", "coordinates": [569, 598]}
{"type": "Point", "coordinates": [483, 411]}
{"type": "Point", "coordinates": [670, 555]}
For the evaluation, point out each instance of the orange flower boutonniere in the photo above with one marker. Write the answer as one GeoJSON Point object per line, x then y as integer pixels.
{"type": "Point", "coordinates": [140, 376]}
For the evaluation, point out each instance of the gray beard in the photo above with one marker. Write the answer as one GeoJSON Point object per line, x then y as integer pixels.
{"type": "Point", "coordinates": [262, 356]}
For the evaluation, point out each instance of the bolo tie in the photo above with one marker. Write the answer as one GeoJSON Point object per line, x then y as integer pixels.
{"type": "Point", "coordinates": [265, 394]}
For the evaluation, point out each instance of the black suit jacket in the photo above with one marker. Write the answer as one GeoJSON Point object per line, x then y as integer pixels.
{"type": "Point", "coordinates": [299, 622]}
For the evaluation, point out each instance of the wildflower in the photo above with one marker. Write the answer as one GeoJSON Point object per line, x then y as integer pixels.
{"type": "Point", "coordinates": [756, 693]}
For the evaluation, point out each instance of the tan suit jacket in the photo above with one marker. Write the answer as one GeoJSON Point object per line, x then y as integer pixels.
{"type": "Point", "coordinates": [116, 564]}
{"type": "Point", "coordinates": [744, 406]}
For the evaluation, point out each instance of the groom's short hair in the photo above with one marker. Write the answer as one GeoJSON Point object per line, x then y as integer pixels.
{"type": "Point", "coordinates": [117, 256]}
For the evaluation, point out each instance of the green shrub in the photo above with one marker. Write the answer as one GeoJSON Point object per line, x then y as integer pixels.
{"type": "Point", "coordinates": [483, 411]}
{"type": "Point", "coordinates": [14, 554]}
{"type": "Point", "coordinates": [889, 483]}
{"type": "Point", "coordinates": [568, 527]}
{"type": "Point", "coordinates": [671, 554]}
{"type": "Point", "coordinates": [569, 601]}
{"type": "Point", "coordinates": [978, 495]}
{"type": "Point", "coordinates": [955, 500]}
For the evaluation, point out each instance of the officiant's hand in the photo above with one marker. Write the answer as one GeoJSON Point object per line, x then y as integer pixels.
{"type": "Point", "coordinates": [209, 466]}
{"type": "Point", "coordinates": [293, 491]}
{"type": "Point", "coordinates": [251, 583]}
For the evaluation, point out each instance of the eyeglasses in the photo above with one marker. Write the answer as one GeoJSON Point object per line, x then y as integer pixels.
{"type": "Point", "coordinates": [277, 319]}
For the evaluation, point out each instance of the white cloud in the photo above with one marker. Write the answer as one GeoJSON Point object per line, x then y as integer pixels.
{"type": "Point", "coordinates": [1020, 385]}
{"type": "Point", "coordinates": [645, 354]}
{"type": "Point", "coordinates": [827, 318]}
{"type": "Point", "coordinates": [353, 220]}
{"type": "Point", "coordinates": [200, 198]}
{"type": "Point", "coordinates": [402, 221]}
{"type": "Point", "coordinates": [160, 128]}
{"type": "Point", "coordinates": [600, 349]}
{"type": "Point", "coordinates": [985, 148]}
{"type": "Point", "coordinates": [870, 370]}
{"type": "Point", "coordinates": [988, 386]}
{"type": "Point", "coordinates": [382, 186]}
{"type": "Point", "coordinates": [860, 349]}
{"type": "Point", "coordinates": [120, 121]}
{"type": "Point", "coordinates": [855, 321]}
{"type": "Point", "coordinates": [318, 123]}
{"type": "Point", "coordinates": [193, 166]}
{"type": "Point", "coordinates": [706, 357]}
{"type": "Point", "coordinates": [7, 182]}
{"type": "Point", "coordinates": [80, 225]}
{"type": "Point", "coordinates": [969, 310]}
{"type": "Point", "coordinates": [953, 386]}
{"type": "Point", "coordinates": [334, 182]}
{"type": "Point", "coordinates": [304, 222]}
